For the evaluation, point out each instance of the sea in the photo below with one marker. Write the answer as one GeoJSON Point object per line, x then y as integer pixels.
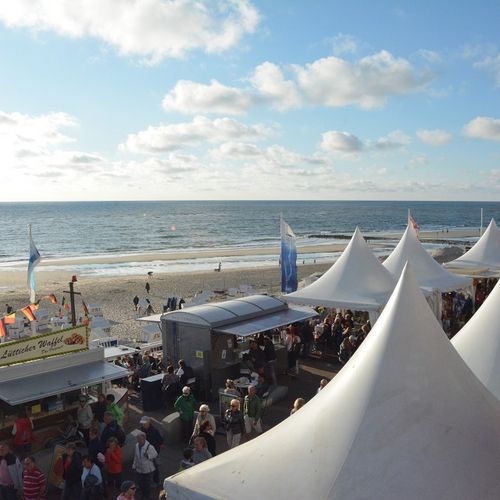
{"type": "Point", "coordinates": [84, 230]}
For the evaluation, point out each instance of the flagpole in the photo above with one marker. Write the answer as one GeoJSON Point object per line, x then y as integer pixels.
{"type": "Point", "coordinates": [33, 324]}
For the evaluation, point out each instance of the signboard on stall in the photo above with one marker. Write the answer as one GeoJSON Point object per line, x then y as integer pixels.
{"type": "Point", "coordinates": [43, 346]}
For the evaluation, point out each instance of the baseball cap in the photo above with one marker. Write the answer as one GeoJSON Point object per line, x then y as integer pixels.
{"type": "Point", "coordinates": [145, 419]}
{"type": "Point", "coordinates": [186, 390]}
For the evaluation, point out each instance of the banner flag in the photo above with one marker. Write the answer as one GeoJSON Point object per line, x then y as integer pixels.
{"type": "Point", "coordinates": [413, 223]}
{"type": "Point", "coordinates": [3, 332]}
{"type": "Point", "coordinates": [85, 308]}
{"type": "Point", "coordinates": [29, 312]}
{"type": "Point", "coordinates": [288, 259]}
{"type": "Point", "coordinates": [10, 319]}
{"type": "Point", "coordinates": [33, 262]}
{"type": "Point", "coordinates": [52, 298]}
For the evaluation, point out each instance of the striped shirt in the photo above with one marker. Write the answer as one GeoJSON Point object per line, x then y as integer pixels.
{"type": "Point", "coordinates": [34, 485]}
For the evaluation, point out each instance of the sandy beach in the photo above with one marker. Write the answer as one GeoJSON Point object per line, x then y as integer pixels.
{"type": "Point", "coordinates": [115, 294]}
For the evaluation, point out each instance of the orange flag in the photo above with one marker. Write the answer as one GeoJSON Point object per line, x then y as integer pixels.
{"type": "Point", "coordinates": [52, 298]}
{"type": "Point", "coordinates": [3, 332]}
{"type": "Point", "coordinates": [10, 319]}
{"type": "Point", "coordinates": [28, 312]}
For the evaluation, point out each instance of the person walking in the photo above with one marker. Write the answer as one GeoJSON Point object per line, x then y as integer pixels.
{"type": "Point", "coordinates": [147, 287]}
{"type": "Point", "coordinates": [252, 412]}
{"type": "Point", "coordinates": [143, 464]}
{"type": "Point", "coordinates": [127, 491]}
{"type": "Point", "coordinates": [200, 452]}
{"type": "Point", "coordinates": [204, 415]}
{"type": "Point", "coordinates": [34, 482]}
{"type": "Point", "coordinates": [92, 484]}
{"type": "Point", "coordinates": [72, 473]}
{"type": "Point", "coordinates": [185, 405]}
{"type": "Point", "coordinates": [23, 433]}
{"type": "Point", "coordinates": [114, 464]}
{"type": "Point", "coordinates": [135, 300]}
{"type": "Point", "coordinates": [10, 474]}
{"type": "Point", "coordinates": [85, 417]}
{"type": "Point", "coordinates": [117, 412]}
{"type": "Point", "coordinates": [233, 420]}
{"type": "Point", "coordinates": [154, 437]}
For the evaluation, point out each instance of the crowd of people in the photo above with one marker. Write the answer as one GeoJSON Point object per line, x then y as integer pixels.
{"type": "Point", "coordinates": [93, 475]}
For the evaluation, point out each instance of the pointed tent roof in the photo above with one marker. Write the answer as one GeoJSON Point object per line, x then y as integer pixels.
{"type": "Point", "coordinates": [485, 254]}
{"type": "Point", "coordinates": [429, 273]}
{"type": "Point", "coordinates": [478, 342]}
{"type": "Point", "coordinates": [404, 418]}
{"type": "Point", "coordinates": [356, 280]}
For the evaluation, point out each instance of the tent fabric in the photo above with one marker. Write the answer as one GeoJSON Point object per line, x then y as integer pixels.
{"type": "Point", "coordinates": [24, 389]}
{"type": "Point", "coordinates": [478, 342]}
{"type": "Point", "coordinates": [357, 280]}
{"type": "Point", "coordinates": [429, 273]}
{"type": "Point", "coordinates": [484, 255]}
{"type": "Point", "coordinates": [404, 418]}
{"type": "Point", "coordinates": [268, 322]}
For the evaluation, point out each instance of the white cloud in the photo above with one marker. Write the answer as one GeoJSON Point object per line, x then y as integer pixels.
{"type": "Point", "coordinates": [236, 150]}
{"type": "Point", "coordinates": [430, 56]}
{"type": "Point", "coordinates": [434, 137]}
{"type": "Point", "coordinates": [271, 85]}
{"type": "Point", "coordinates": [331, 81]}
{"type": "Point", "coordinates": [393, 140]}
{"type": "Point", "coordinates": [491, 64]}
{"type": "Point", "coordinates": [341, 142]}
{"type": "Point", "coordinates": [151, 29]}
{"type": "Point", "coordinates": [166, 138]}
{"type": "Point", "coordinates": [19, 130]}
{"type": "Point", "coordinates": [273, 159]}
{"type": "Point", "coordinates": [419, 160]}
{"type": "Point", "coordinates": [192, 97]}
{"type": "Point", "coordinates": [343, 44]}
{"type": "Point", "coordinates": [483, 127]}
{"type": "Point", "coordinates": [334, 82]}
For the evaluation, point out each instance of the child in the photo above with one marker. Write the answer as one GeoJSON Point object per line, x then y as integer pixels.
{"type": "Point", "coordinates": [187, 461]}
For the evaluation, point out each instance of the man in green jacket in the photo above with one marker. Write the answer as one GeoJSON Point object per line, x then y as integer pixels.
{"type": "Point", "coordinates": [117, 412]}
{"type": "Point", "coordinates": [252, 412]}
{"type": "Point", "coordinates": [185, 405]}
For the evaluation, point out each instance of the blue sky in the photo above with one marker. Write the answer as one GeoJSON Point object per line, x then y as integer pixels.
{"type": "Point", "coordinates": [170, 99]}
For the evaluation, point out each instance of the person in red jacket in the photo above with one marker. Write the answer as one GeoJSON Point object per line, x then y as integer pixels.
{"type": "Point", "coordinates": [114, 463]}
{"type": "Point", "coordinates": [23, 433]}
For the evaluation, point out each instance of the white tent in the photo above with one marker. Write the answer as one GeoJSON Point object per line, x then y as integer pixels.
{"type": "Point", "coordinates": [431, 276]}
{"type": "Point", "coordinates": [483, 259]}
{"type": "Point", "coordinates": [478, 342]}
{"type": "Point", "coordinates": [357, 280]}
{"type": "Point", "coordinates": [405, 418]}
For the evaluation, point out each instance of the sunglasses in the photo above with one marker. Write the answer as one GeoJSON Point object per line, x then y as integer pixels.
{"type": "Point", "coordinates": [133, 488]}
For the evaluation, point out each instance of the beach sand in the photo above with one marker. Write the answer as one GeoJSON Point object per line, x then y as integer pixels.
{"type": "Point", "coordinates": [115, 294]}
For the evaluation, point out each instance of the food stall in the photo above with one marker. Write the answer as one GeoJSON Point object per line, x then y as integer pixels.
{"type": "Point", "coordinates": [45, 375]}
{"type": "Point", "coordinates": [211, 338]}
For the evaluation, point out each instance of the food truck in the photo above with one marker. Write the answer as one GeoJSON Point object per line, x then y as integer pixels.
{"type": "Point", "coordinates": [44, 375]}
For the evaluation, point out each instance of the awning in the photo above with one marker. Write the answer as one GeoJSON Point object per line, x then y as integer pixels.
{"type": "Point", "coordinates": [42, 385]}
{"type": "Point", "coordinates": [120, 350]}
{"type": "Point", "coordinates": [268, 322]}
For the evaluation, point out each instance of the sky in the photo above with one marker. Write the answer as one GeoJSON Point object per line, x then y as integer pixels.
{"type": "Point", "coordinates": [237, 99]}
